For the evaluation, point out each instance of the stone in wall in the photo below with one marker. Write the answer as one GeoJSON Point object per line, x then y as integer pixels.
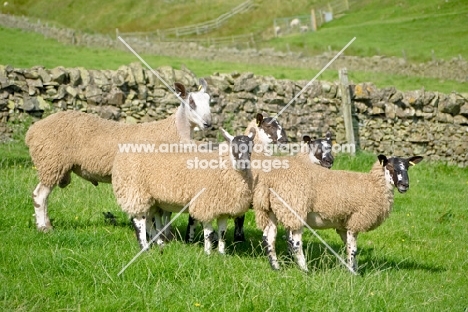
{"type": "Point", "coordinates": [386, 120]}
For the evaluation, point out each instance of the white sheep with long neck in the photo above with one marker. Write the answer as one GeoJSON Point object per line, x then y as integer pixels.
{"type": "Point", "coordinates": [145, 183]}
{"type": "Point", "coordinates": [350, 202]}
{"type": "Point", "coordinates": [72, 141]}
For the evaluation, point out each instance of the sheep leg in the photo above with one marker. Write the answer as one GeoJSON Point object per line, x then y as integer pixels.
{"type": "Point", "coordinates": [166, 218]}
{"type": "Point", "coordinates": [343, 235]}
{"type": "Point", "coordinates": [269, 241]}
{"type": "Point", "coordinates": [351, 249]}
{"type": "Point", "coordinates": [208, 234]}
{"type": "Point", "coordinates": [154, 226]}
{"type": "Point", "coordinates": [40, 195]}
{"type": "Point", "coordinates": [239, 229]}
{"type": "Point", "coordinates": [139, 223]}
{"type": "Point", "coordinates": [295, 247]}
{"type": "Point", "coordinates": [191, 227]}
{"type": "Point", "coordinates": [222, 226]}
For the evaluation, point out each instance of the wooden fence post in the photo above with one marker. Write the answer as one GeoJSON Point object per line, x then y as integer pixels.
{"type": "Point", "coordinates": [313, 20]}
{"type": "Point", "coordinates": [346, 107]}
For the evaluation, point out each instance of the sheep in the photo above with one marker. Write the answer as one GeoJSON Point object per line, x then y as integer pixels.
{"type": "Point", "coordinates": [270, 131]}
{"type": "Point", "coordinates": [277, 30]}
{"type": "Point", "coordinates": [317, 151]}
{"type": "Point", "coordinates": [304, 28]}
{"type": "Point", "coordinates": [143, 183]}
{"type": "Point", "coordinates": [85, 144]}
{"type": "Point", "coordinates": [295, 23]}
{"type": "Point", "coordinates": [350, 202]}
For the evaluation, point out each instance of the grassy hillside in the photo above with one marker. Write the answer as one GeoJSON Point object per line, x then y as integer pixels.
{"type": "Point", "coordinates": [422, 29]}
{"type": "Point", "coordinates": [25, 50]}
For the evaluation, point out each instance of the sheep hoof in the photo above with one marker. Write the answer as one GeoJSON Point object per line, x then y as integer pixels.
{"type": "Point", "coordinates": [45, 229]}
{"type": "Point", "coordinates": [145, 247]}
{"type": "Point", "coordinates": [239, 238]}
{"type": "Point", "coordinates": [275, 266]}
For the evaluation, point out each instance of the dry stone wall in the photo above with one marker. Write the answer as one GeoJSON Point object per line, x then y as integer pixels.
{"type": "Point", "coordinates": [385, 120]}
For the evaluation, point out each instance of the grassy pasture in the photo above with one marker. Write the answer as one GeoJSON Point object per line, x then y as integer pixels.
{"type": "Point", "coordinates": [25, 50]}
{"type": "Point", "coordinates": [416, 261]}
{"type": "Point", "coordinates": [422, 29]}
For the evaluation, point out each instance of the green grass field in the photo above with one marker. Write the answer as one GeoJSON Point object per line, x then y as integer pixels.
{"type": "Point", "coordinates": [419, 28]}
{"type": "Point", "coordinates": [416, 261]}
{"type": "Point", "coordinates": [25, 50]}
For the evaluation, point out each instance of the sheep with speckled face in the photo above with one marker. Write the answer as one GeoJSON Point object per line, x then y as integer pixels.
{"type": "Point", "coordinates": [72, 141]}
{"type": "Point", "coordinates": [350, 202]}
{"type": "Point", "coordinates": [269, 131]}
{"type": "Point", "coordinates": [317, 151]}
{"type": "Point", "coordinates": [145, 182]}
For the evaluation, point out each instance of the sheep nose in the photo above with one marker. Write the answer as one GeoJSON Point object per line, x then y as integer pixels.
{"type": "Point", "coordinates": [207, 125]}
{"type": "Point", "coordinates": [402, 187]}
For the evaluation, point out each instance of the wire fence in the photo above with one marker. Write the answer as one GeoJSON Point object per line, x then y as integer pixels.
{"type": "Point", "coordinates": [240, 41]}
{"type": "Point", "coordinates": [197, 29]}
{"type": "Point", "coordinates": [312, 22]}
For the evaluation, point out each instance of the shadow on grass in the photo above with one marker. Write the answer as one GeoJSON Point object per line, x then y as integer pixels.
{"type": "Point", "coordinates": [319, 258]}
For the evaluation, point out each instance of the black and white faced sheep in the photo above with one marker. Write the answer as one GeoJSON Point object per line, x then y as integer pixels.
{"type": "Point", "coordinates": [269, 131]}
{"type": "Point", "coordinates": [318, 151]}
{"type": "Point", "coordinates": [72, 141]}
{"type": "Point", "coordinates": [146, 182]}
{"type": "Point", "coordinates": [350, 202]}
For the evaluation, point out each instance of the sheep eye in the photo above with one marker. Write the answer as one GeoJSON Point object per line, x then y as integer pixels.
{"type": "Point", "coordinates": [192, 103]}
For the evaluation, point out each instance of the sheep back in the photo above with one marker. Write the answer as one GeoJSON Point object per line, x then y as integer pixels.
{"type": "Point", "coordinates": [358, 201]}
{"type": "Point", "coordinates": [141, 181]}
{"type": "Point", "coordinates": [69, 138]}
{"type": "Point", "coordinates": [292, 184]}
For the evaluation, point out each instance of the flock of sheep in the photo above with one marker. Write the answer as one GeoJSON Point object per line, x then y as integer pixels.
{"type": "Point", "coordinates": [151, 186]}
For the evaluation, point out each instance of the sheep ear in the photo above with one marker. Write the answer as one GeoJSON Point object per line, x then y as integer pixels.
{"type": "Point", "coordinates": [226, 135]}
{"type": "Point", "coordinates": [252, 133]}
{"type": "Point", "coordinates": [180, 88]}
{"type": "Point", "coordinates": [259, 119]}
{"type": "Point", "coordinates": [414, 160]}
{"type": "Point", "coordinates": [203, 85]}
{"type": "Point", "coordinates": [306, 138]}
{"type": "Point", "coordinates": [383, 160]}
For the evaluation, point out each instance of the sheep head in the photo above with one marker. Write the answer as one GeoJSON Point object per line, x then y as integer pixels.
{"type": "Point", "coordinates": [396, 170]}
{"type": "Point", "coordinates": [197, 104]}
{"type": "Point", "coordinates": [240, 149]}
{"type": "Point", "coordinates": [320, 150]}
{"type": "Point", "coordinates": [270, 131]}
